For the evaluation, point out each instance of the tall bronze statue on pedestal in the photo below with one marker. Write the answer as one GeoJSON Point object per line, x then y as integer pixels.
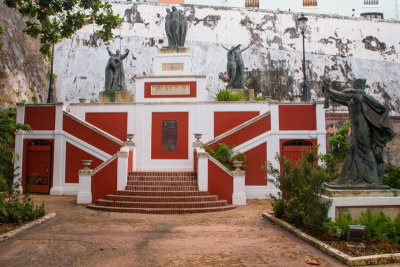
{"type": "Point", "coordinates": [371, 130]}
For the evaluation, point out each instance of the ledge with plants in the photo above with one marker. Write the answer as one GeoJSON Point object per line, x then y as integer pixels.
{"type": "Point", "coordinates": [298, 204]}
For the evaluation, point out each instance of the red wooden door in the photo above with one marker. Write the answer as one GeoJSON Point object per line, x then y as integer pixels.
{"type": "Point", "coordinates": [292, 149]}
{"type": "Point", "coordinates": [38, 171]}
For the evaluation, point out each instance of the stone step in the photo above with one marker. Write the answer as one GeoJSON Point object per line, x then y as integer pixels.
{"type": "Point", "coordinates": [162, 178]}
{"type": "Point", "coordinates": [161, 188]}
{"type": "Point", "coordinates": [162, 198]}
{"type": "Point", "coordinates": [161, 211]}
{"type": "Point", "coordinates": [163, 183]}
{"type": "Point", "coordinates": [161, 193]}
{"type": "Point", "coordinates": [161, 205]}
{"type": "Point", "coordinates": [162, 173]}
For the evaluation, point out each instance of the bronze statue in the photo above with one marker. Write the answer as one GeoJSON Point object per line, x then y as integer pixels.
{"type": "Point", "coordinates": [235, 67]}
{"type": "Point", "coordinates": [115, 75]}
{"type": "Point", "coordinates": [371, 130]}
{"type": "Point", "coordinates": [176, 26]}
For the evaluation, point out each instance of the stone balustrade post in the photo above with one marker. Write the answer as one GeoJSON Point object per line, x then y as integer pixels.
{"type": "Point", "coordinates": [85, 184]}
{"type": "Point", "coordinates": [202, 169]}
{"type": "Point", "coordinates": [122, 168]}
{"type": "Point", "coordinates": [130, 143]}
{"type": "Point", "coordinates": [239, 187]}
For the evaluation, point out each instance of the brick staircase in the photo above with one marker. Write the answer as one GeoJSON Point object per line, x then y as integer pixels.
{"type": "Point", "coordinates": [161, 193]}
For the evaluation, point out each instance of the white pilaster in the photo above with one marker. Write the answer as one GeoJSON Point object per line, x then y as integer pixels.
{"type": "Point", "coordinates": [20, 113]}
{"type": "Point", "coordinates": [239, 188]}
{"type": "Point", "coordinates": [59, 116]}
{"type": "Point", "coordinates": [85, 187]}
{"type": "Point", "coordinates": [273, 145]}
{"type": "Point", "coordinates": [321, 129]}
{"type": "Point", "coordinates": [202, 169]}
{"type": "Point", "coordinates": [122, 168]}
{"type": "Point", "coordinates": [58, 163]}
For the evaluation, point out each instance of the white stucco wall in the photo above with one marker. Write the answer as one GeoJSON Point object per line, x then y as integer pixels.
{"type": "Point", "coordinates": [343, 48]}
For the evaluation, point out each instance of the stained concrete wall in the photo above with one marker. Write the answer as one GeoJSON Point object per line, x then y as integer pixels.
{"type": "Point", "coordinates": [340, 47]}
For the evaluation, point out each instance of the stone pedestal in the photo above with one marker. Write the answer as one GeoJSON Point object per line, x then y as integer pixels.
{"type": "Point", "coordinates": [173, 61]}
{"type": "Point", "coordinates": [116, 97]}
{"type": "Point", "coordinates": [357, 201]}
{"type": "Point", "coordinates": [248, 94]}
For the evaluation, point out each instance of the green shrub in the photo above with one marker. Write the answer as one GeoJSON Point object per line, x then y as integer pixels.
{"type": "Point", "coordinates": [377, 227]}
{"type": "Point", "coordinates": [338, 146]}
{"type": "Point", "coordinates": [226, 155]}
{"type": "Point", "coordinates": [259, 98]}
{"type": "Point", "coordinates": [226, 95]}
{"type": "Point", "coordinates": [391, 176]}
{"type": "Point", "coordinates": [301, 187]}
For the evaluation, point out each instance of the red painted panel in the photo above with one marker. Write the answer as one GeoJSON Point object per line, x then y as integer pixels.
{"type": "Point", "coordinates": [130, 161]}
{"type": "Point", "coordinates": [147, 89]}
{"type": "Point", "coordinates": [73, 162]}
{"type": "Point", "coordinates": [219, 182]}
{"type": "Point", "coordinates": [249, 132]}
{"type": "Point", "coordinates": [297, 117]}
{"type": "Point", "coordinates": [255, 175]}
{"type": "Point", "coordinates": [40, 118]}
{"type": "Point", "coordinates": [115, 124]}
{"type": "Point", "coordinates": [293, 153]}
{"type": "Point", "coordinates": [24, 172]}
{"type": "Point", "coordinates": [89, 136]}
{"type": "Point", "coordinates": [225, 121]}
{"type": "Point", "coordinates": [105, 181]}
{"type": "Point", "coordinates": [182, 119]}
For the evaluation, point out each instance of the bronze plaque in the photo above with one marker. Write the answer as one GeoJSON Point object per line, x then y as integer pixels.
{"type": "Point", "coordinates": [169, 136]}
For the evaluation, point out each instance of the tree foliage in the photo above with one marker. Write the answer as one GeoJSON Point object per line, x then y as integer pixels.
{"type": "Point", "coordinates": [226, 155]}
{"type": "Point", "coordinates": [51, 21]}
{"type": "Point", "coordinates": [8, 127]}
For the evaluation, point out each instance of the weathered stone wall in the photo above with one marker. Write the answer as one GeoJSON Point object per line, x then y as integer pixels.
{"type": "Point", "coordinates": [343, 48]}
{"type": "Point", "coordinates": [23, 70]}
{"type": "Point", "coordinates": [334, 121]}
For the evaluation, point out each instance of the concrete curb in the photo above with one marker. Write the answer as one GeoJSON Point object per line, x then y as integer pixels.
{"type": "Point", "coordinates": [25, 227]}
{"type": "Point", "coordinates": [349, 260]}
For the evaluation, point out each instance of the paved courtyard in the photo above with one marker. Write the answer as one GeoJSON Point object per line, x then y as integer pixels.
{"type": "Point", "coordinates": [82, 237]}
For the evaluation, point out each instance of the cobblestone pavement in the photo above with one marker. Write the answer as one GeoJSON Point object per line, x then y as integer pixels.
{"type": "Point", "coordinates": [82, 237]}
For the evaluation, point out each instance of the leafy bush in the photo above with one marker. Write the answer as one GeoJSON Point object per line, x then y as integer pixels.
{"type": "Point", "coordinates": [226, 95]}
{"type": "Point", "coordinates": [17, 209]}
{"type": "Point", "coordinates": [391, 177]}
{"type": "Point", "coordinates": [226, 155]}
{"type": "Point", "coordinates": [338, 144]}
{"type": "Point", "coordinates": [259, 98]}
{"type": "Point", "coordinates": [14, 208]}
{"type": "Point", "coordinates": [301, 187]}
{"type": "Point", "coordinates": [376, 227]}
{"type": "Point", "coordinates": [8, 127]}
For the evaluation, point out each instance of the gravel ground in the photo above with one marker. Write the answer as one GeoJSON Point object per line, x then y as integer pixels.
{"type": "Point", "coordinates": [82, 237]}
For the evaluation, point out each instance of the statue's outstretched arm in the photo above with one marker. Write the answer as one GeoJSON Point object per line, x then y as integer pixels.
{"type": "Point", "coordinates": [225, 47]}
{"type": "Point", "coordinates": [123, 56]}
{"type": "Point", "coordinates": [338, 97]}
{"type": "Point", "coordinates": [245, 48]}
{"type": "Point", "coordinates": [110, 53]}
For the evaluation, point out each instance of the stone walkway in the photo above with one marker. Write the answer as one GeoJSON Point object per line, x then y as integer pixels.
{"type": "Point", "coordinates": [82, 237]}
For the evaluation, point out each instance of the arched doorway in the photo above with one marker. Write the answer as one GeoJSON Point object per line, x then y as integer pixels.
{"type": "Point", "coordinates": [38, 167]}
{"type": "Point", "coordinates": [292, 149]}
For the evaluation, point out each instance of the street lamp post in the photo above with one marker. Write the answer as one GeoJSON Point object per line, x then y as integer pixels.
{"type": "Point", "coordinates": [50, 96]}
{"type": "Point", "coordinates": [302, 24]}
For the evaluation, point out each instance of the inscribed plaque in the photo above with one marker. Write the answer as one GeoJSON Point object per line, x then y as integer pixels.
{"type": "Point", "coordinates": [169, 135]}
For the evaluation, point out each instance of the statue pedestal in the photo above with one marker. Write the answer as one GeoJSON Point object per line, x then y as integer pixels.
{"type": "Point", "coordinates": [116, 97]}
{"type": "Point", "coordinates": [173, 61]}
{"type": "Point", "coordinates": [357, 201]}
{"type": "Point", "coordinates": [247, 93]}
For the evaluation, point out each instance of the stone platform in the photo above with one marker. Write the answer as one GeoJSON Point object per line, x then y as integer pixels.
{"type": "Point", "coordinates": [116, 97]}
{"type": "Point", "coordinates": [357, 201]}
{"type": "Point", "coordinates": [248, 94]}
